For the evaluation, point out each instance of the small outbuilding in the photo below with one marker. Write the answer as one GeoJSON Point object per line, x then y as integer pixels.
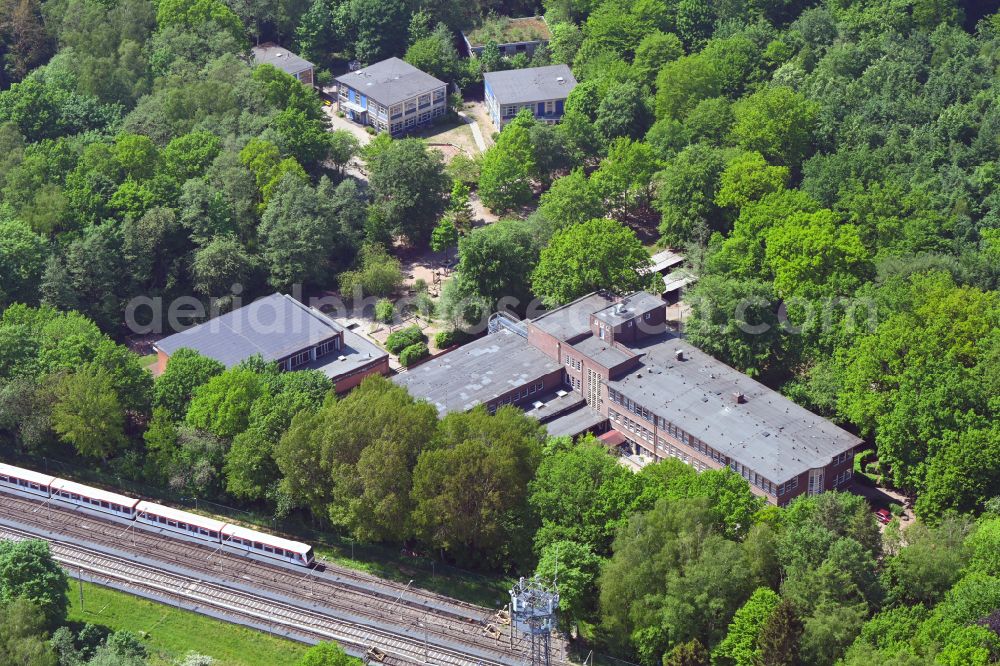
{"type": "Point", "coordinates": [269, 53]}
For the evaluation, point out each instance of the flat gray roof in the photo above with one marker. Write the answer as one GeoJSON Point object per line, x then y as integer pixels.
{"type": "Point", "coordinates": [282, 58]}
{"type": "Point", "coordinates": [554, 405]}
{"type": "Point", "coordinates": [275, 327]}
{"type": "Point", "coordinates": [477, 372]}
{"type": "Point", "coordinates": [575, 422]}
{"type": "Point", "coordinates": [768, 432]}
{"type": "Point", "coordinates": [390, 81]}
{"type": "Point", "coordinates": [532, 84]}
{"type": "Point", "coordinates": [629, 307]}
{"type": "Point", "coordinates": [573, 319]}
{"type": "Point", "coordinates": [601, 351]}
{"type": "Point", "coordinates": [357, 352]}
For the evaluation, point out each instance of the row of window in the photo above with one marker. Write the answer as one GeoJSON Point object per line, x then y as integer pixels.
{"type": "Point", "coordinates": [574, 363]}
{"type": "Point", "coordinates": [576, 384]}
{"type": "Point", "coordinates": [194, 529]}
{"type": "Point", "coordinates": [522, 392]}
{"type": "Point", "coordinates": [842, 458]}
{"type": "Point", "coordinates": [752, 477]}
{"type": "Point", "coordinates": [413, 121]}
{"type": "Point", "coordinates": [843, 477]}
{"type": "Point", "coordinates": [14, 481]}
{"type": "Point", "coordinates": [301, 358]}
{"type": "Point", "coordinates": [306, 356]}
{"type": "Point", "coordinates": [259, 546]}
{"type": "Point", "coordinates": [668, 427]}
{"type": "Point", "coordinates": [411, 105]}
{"type": "Point", "coordinates": [631, 425]}
{"type": "Point", "coordinates": [328, 346]}
{"type": "Point", "coordinates": [630, 405]}
{"type": "Point", "coordinates": [788, 486]}
{"type": "Point", "coordinates": [509, 110]}
{"type": "Point", "coordinates": [86, 500]}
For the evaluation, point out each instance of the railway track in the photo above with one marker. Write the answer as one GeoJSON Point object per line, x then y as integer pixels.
{"type": "Point", "coordinates": [390, 611]}
{"type": "Point", "coordinates": [282, 618]}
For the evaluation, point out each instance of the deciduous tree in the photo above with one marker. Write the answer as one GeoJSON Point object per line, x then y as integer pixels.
{"type": "Point", "coordinates": [606, 255]}
{"type": "Point", "coordinates": [27, 571]}
{"type": "Point", "coordinates": [87, 412]}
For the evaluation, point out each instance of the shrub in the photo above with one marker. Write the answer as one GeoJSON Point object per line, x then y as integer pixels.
{"type": "Point", "coordinates": [424, 304]}
{"type": "Point", "coordinates": [384, 310]}
{"type": "Point", "coordinates": [413, 353]}
{"type": "Point", "coordinates": [859, 460]}
{"type": "Point", "coordinates": [444, 339]}
{"type": "Point", "coordinates": [370, 129]}
{"type": "Point", "coordinates": [379, 274]}
{"type": "Point", "coordinates": [403, 338]}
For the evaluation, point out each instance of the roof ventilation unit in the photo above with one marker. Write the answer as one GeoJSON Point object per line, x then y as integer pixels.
{"type": "Point", "coordinates": [679, 354]}
{"type": "Point", "coordinates": [739, 398]}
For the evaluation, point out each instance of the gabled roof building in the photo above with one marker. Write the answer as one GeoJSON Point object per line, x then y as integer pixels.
{"type": "Point", "coordinates": [283, 331]}
{"type": "Point", "coordinates": [602, 363]}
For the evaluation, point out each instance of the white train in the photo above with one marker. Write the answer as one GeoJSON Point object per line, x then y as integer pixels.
{"type": "Point", "coordinates": [150, 515]}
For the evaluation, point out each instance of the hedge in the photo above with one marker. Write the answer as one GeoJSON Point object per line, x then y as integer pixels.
{"type": "Point", "coordinates": [413, 353]}
{"type": "Point", "coordinates": [403, 338]}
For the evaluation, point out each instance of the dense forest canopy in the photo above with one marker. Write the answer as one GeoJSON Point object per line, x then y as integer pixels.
{"type": "Point", "coordinates": [829, 168]}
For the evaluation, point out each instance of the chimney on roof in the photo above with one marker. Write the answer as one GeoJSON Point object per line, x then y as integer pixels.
{"type": "Point", "coordinates": [739, 398]}
{"type": "Point", "coordinates": [679, 354]}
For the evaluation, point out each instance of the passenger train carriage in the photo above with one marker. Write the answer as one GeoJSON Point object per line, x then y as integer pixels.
{"type": "Point", "coordinates": [264, 544]}
{"type": "Point", "coordinates": [25, 480]}
{"type": "Point", "coordinates": [149, 515]}
{"type": "Point", "coordinates": [71, 492]}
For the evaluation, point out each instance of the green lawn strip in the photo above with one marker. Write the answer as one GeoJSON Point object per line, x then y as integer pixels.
{"type": "Point", "coordinates": [488, 591]}
{"type": "Point", "coordinates": [173, 632]}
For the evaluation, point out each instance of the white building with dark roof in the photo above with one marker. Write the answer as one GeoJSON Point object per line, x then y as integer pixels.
{"type": "Point", "coordinates": [391, 96]}
{"type": "Point", "coordinates": [269, 53]}
{"type": "Point", "coordinates": [543, 90]}
{"type": "Point", "coordinates": [283, 331]}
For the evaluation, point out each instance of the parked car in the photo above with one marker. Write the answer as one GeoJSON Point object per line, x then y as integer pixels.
{"type": "Point", "coordinates": [884, 516]}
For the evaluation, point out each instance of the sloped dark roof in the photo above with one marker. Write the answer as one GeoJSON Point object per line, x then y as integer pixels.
{"type": "Point", "coordinates": [280, 57]}
{"type": "Point", "coordinates": [532, 84]}
{"type": "Point", "coordinates": [390, 81]}
{"type": "Point", "coordinates": [275, 327]}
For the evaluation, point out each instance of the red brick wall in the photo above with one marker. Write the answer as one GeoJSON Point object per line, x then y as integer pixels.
{"type": "Point", "coordinates": [545, 343]}
{"type": "Point", "coordinates": [344, 384]}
